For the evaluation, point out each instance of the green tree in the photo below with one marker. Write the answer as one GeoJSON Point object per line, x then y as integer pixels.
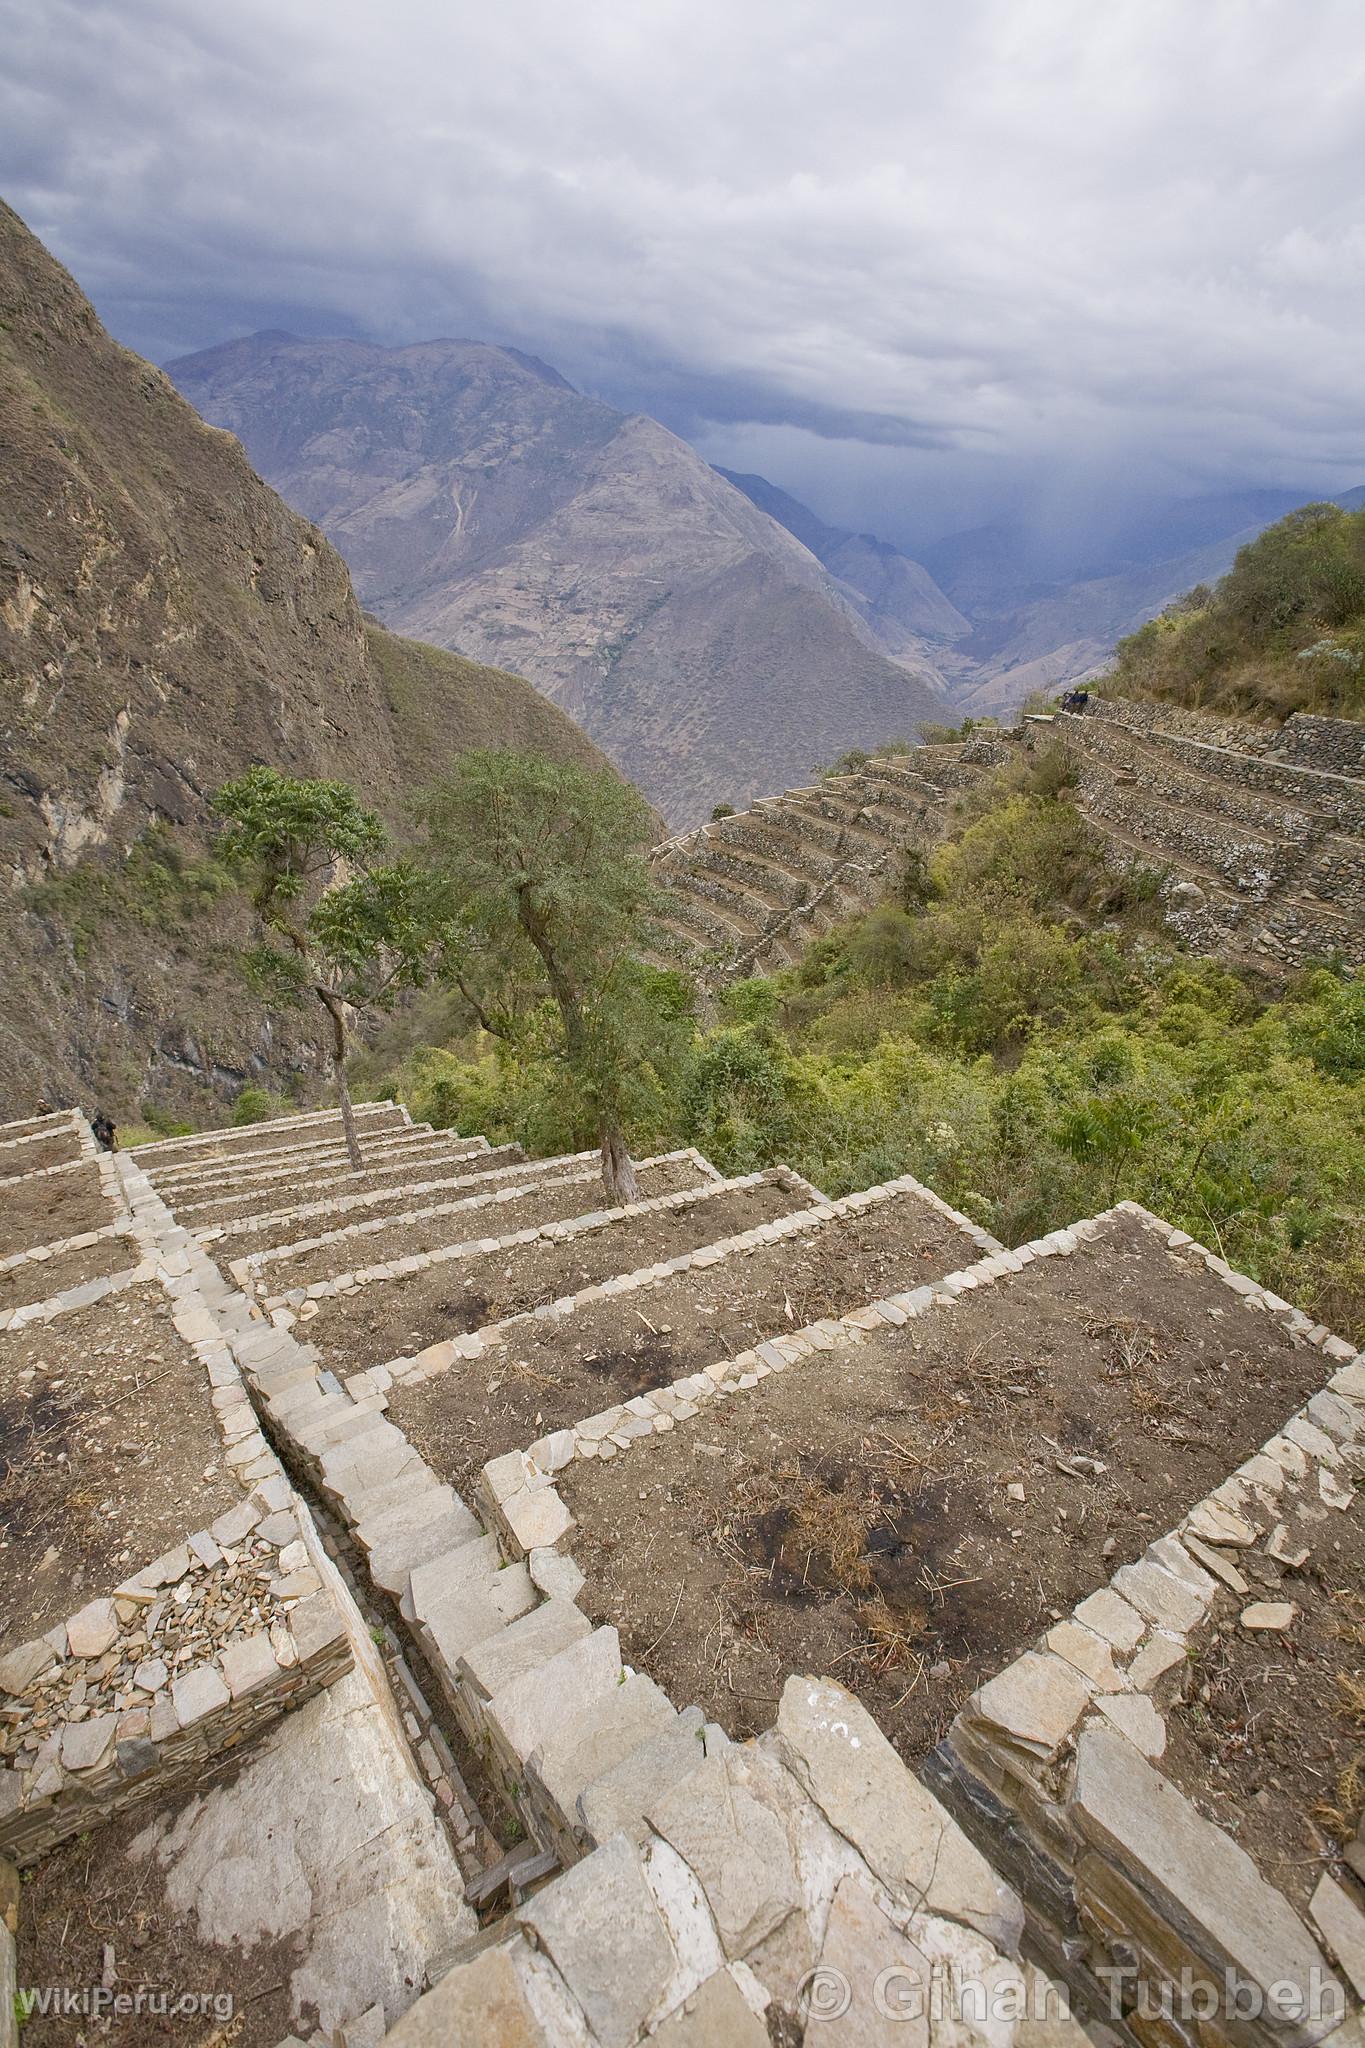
{"type": "Point", "coordinates": [336, 921]}
{"type": "Point", "coordinates": [544, 870]}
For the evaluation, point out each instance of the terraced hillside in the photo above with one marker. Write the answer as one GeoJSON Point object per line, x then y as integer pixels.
{"type": "Point", "coordinates": [1263, 828]}
{"type": "Point", "coordinates": [748, 892]}
{"type": "Point", "coordinates": [540, 1515]}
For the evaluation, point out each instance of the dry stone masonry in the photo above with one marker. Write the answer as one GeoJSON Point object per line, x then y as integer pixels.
{"type": "Point", "coordinates": [559, 1848]}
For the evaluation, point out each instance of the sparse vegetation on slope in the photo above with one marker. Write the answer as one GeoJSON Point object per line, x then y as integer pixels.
{"type": "Point", "coordinates": [1283, 631]}
{"type": "Point", "coordinates": [1016, 1028]}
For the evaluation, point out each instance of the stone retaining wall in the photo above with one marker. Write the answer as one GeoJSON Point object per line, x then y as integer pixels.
{"type": "Point", "coordinates": [246, 1271]}
{"type": "Point", "coordinates": [158, 1150]}
{"type": "Point", "coordinates": [725, 1873]}
{"type": "Point", "coordinates": [343, 1205]}
{"type": "Point", "coordinates": [91, 1727]}
{"type": "Point", "coordinates": [1053, 1767]}
{"type": "Point", "coordinates": [575, 1226]}
{"type": "Point", "coordinates": [438, 1358]}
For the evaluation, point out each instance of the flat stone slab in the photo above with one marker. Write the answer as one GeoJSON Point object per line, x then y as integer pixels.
{"type": "Point", "coordinates": [480, 2001]}
{"type": "Point", "coordinates": [734, 1823]}
{"type": "Point", "coordinates": [531, 1707]}
{"type": "Point", "coordinates": [494, 1665]}
{"type": "Point", "coordinates": [1194, 1874]}
{"type": "Point", "coordinates": [600, 1927]}
{"type": "Point", "coordinates": [1034, 1702]}
{"type": "Point", "coordinates": [841, 1758]}
{"type": "Point", "coordinates": [617, 1798]}
{"type": "Point", "coordinates": [716, 2016]}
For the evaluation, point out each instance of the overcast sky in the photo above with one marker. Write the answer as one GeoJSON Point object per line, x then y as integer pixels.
{"type": "Point", "coordinates": [916, 259]}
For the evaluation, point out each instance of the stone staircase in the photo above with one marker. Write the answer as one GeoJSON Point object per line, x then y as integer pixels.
{"type": "Point", "coordinates": [747, 893]}
{"type": "Point", "coordinates": [588, 1494]}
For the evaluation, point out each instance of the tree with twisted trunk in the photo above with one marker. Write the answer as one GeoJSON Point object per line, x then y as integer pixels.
{"type": "Point", "coordinates": [335, 920]}
{"type": "Point", "coordinates": [546, 878]}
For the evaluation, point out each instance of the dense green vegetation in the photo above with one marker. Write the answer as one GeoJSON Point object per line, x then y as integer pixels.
{"type": "Point", "coordinates": [1014, 1027]}
{"type": "Point", "coordinates": [1283, 631]}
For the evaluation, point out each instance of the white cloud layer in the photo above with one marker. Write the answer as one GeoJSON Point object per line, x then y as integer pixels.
{"type": "Point", "coordinates": [1013, 240]}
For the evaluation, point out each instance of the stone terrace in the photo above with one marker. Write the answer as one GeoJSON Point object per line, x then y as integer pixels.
{"type": "Point", "coordinates": [1263, 828]}
{"type": "Point", "coordinates": [988, 1489]}
{"type": "Point", "coordinates": [748, 893]}
{"type": "Point", "coordinates": [134, 1482]}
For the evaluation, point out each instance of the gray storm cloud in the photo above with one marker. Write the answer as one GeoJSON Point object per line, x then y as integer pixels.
{"type": "Point", "coordinates": [950, 250]}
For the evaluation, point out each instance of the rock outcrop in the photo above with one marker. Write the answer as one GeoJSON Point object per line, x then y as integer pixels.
{"type": "Point", "coordinates": [165, 620]}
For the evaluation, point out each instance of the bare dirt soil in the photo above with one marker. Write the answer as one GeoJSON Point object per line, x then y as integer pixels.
{"type": "Point", "coordinates": [16, 1160]}
{"type": "Point", "coordinates": [244, 1143]}
{"type": "Point", "coordinates": [452, 1179]}
{"type": "Point", "coordinates": [550, 1375]}
{"type": "Point", "coordinates": [853, 1514]}
{"type": "Point", "coordinates": [1269, 1739]}
{"type": "Point", "coordinates": [109, 1454]}
{"type": "Point", "coordinates": [58, 1206]}
{"type": "Point", "coordinates": [39, 1280]}
{"type": "Point", "coordinates": [221, 1202]}
{"type": "Point", "coordinates": [551, 1201]}
{"type": "Point", "coordinates": [91, 1897]}
{"type": "Point", "coordinates": [395, 1316]}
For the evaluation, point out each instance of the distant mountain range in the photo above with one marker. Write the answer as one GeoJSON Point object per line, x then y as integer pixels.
{"type": "Point", "coordinates": [165, 621]}
{"type": "Point", "coordinates": [1017, 628]}
{"type": "Point", "coordinates": [485, 505]}
{"type": "Point", "coordinates": [715, 636]}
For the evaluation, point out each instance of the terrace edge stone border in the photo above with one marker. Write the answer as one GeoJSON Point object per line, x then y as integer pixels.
{"type": "Point", "coordinates": [411, 1369]}
{"type": "Point", "coordinates": [711, 1186]}
{"type": "Point", "coordinates": [53, 1803]}
{"type": "Point", "coordinates": [301, 1120]}
{"type": "Point", "coordinates": [208, 1234]}
{"type": "Point", "coordinates": [245, 1270]}
{"type": "Point", "coordinates": [518, 1488]}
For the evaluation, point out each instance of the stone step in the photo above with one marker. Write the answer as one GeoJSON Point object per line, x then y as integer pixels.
{"type": "Point", "coordinates": [539, 1637]}
{"type": "Point", "coordinates": [416, 1509]}
{"type": "Point", "coordinates": [617, 1797]}
{"type": "Point", "coordinates": [348, 1420]}
{"type": "Point", "coordinates": [595, 1738]}
{"type": "Point", "coordinates": [464, 1620]}
{"type": "Point", "coordinates": [393, 1559]}
{"type": "Point", "coordinates": [367, 1502]}
{"type": "Point", "coordinates": [524, 1714]}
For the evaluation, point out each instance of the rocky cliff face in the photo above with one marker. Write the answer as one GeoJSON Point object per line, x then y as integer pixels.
{"type": "Point", "coordinates": [485, 505]}
{"type": "Point", "coordinates": [164, 621]}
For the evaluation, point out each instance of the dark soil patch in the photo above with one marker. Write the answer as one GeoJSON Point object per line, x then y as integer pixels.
{"type": "Point", "coordinates": [1269, 1738]}
{"type": "Point", "coordinates": [200, 1206]}
{"type": "Point", "coordinates": [550, 1201]}
{"type": "Point", "coordinates": [396, 1316]}
{"type": "Point", "coordinates": [58, 1206]}
{"type": "Point", "coordinates": [16, 1160]}
{"type": "Point", "coordinates": [91, 1895]}
{"type": "Point", "coordinates": [39, 1280]}
{"type": "Point", "coordinates": [245, 1176]}
{"type": "Point", "coordinates": [452, 1179]}
{"type": "Point", "coordinates": [554, 1374]}
{"type": "Point", "coordinates": [851, 1515]}
{"type": "Point", "coordinates": [109, 1454]}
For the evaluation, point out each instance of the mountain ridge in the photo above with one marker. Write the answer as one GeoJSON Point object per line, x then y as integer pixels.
{"type": "Point", "coordinates": [165, 620]}
{"type": "Point", "coordinates": [594, 552]}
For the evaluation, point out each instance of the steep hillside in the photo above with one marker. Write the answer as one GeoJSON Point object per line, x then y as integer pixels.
{"type": "Point", "coordinates": [484, 504]}
{"type": "Point", "coordinates": [896, 595]}
{"type": "Point", "coordinates": [165, 620]}
{"type": "Point", "coordinates": [1283, 631]}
